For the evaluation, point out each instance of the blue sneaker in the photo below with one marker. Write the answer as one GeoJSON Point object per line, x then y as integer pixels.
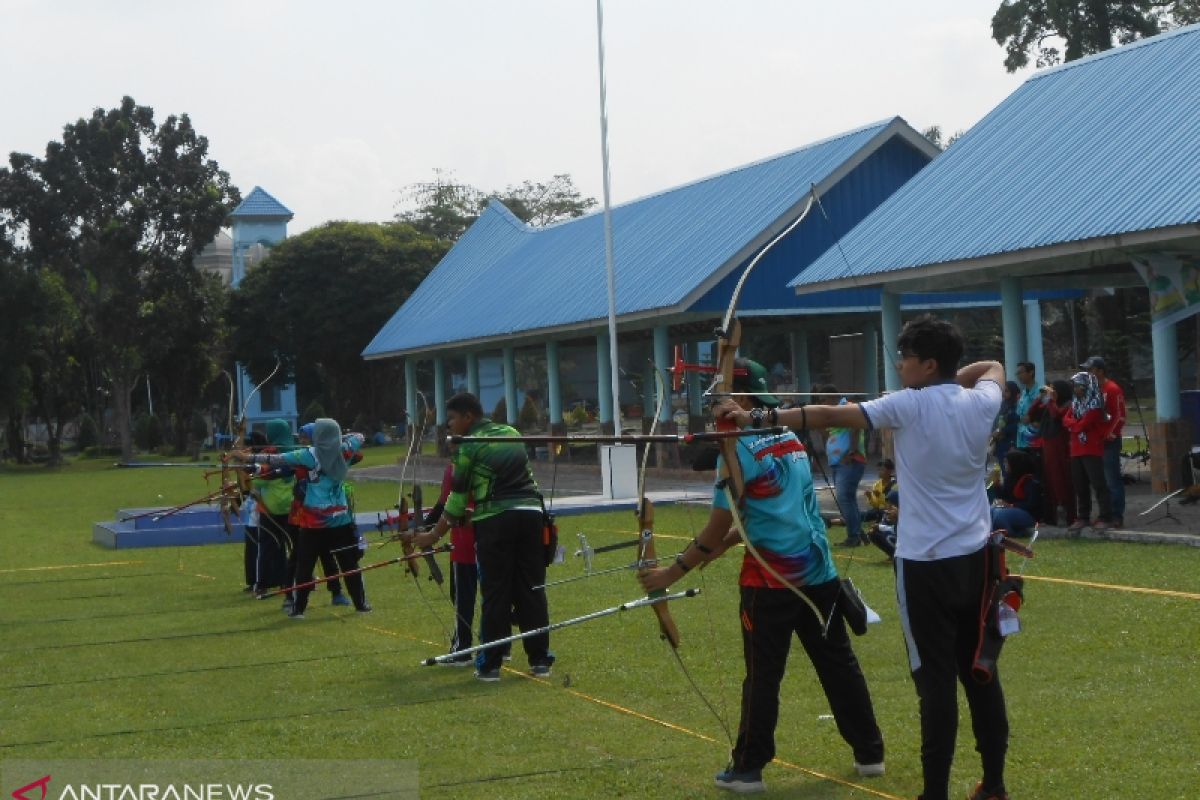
{"type": "Point", "coordinates": [488, 676]}
{"type": "Point", "coordinates": [340, 599]}
{"type": "Point", "coordinates": [750, 782]}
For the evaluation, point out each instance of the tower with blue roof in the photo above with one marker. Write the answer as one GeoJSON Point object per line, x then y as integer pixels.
{"type": "Point", "coordinates": [259, 223]}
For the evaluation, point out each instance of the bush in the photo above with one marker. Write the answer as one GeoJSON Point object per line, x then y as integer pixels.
{"type": "Point", "coordinates": [530, 418]}
{"type": "Point", "coordinates": [312, 412]}
{"type": "Point", "coordinates": [147, 433]}
{"type": "Point", "coordinates": [576, 416]}
{"type": "Point", "coordinates": [89, 433]}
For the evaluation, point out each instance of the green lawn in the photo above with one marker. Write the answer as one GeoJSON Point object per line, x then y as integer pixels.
{"type": "Point", "coordinates": [158, 654]}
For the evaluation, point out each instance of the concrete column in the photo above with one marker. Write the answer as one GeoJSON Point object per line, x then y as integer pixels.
{"type": "Point", "coordinates": [870, 360]}
{"type": "Point", "coordinates": [410, 393]}
{"type": "Point", "coordinates": [1013, 319]}
{"type": "Point", "coordinates": [665, 455]}
{"type": "Point", "coordinates": [662, 363]}
{"type": "Point", "coordinates": [1170, 437]}
{"type": "Point", "coordinates": [1034, 349]}
{"type": "Point", "coordinates": [473, 373]}
{"type": "Point", "coordinates": [553, 384]}
{"type": "Point", "coordinates": [604, 382]}
{"type": "Point", "coordinates": [510, 386]}
{"type": "Point", "coordinates": [439, 390]}
{"type": "Point", "coordinates": [889, 319]}
{"type": "Point", "coordinates": [694, 385]}
{"type": "Point", "coordinates": [1165, 342]}
{"type": "Point", "coordinates": [439, 404]}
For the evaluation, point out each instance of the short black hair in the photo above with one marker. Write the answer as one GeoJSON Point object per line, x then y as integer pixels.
{"type": "Point", "coordinates": [465, 403]}
{"type": "Point", "coordinates": [1028, 367]}
{"type": "Point", "coordinates": [930, 337]}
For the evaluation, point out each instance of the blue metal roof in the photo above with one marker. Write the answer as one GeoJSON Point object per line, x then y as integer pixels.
{"type": "Point", "coordinates": [1102, 146]}
{"type": "Point", "coordinates": [262, 205]}
{"type": "Point", "coordinates": [670, 249]}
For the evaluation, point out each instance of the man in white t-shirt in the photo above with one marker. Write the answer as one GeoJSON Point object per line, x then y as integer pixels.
{"type": "Point", "coordinates": [941, 423]}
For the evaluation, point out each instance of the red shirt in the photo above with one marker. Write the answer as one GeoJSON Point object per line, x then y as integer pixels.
{"type": "Point", "coordinates": [462, 537]}
{"type": "Point", "coordinates": [1114, 404]}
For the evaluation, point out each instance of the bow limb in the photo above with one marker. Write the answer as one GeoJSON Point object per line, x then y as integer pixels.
{"type": "Point", "coordinates": [733, 481]}
{"type": "Point", "coordinates": [645, 514]}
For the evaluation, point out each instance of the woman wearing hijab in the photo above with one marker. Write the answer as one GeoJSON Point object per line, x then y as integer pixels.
{"type": "Point", "coordinates": [1085, 421]}
{"type": "Point", "coordinates": [324, 519]}
{"type": "Point", "coordinates": [1056, 454]}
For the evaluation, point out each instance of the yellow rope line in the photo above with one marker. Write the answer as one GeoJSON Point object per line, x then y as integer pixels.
{"type": "Point", "coordinates": [647, 718]}
{"type": "Point", "coordinates": [1117, 587]}
{"type": "Point", "coordinates": [71, 566]}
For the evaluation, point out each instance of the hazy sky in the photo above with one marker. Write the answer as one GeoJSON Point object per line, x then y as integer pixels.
{"type": "Point", "coordinates": [335, 107]}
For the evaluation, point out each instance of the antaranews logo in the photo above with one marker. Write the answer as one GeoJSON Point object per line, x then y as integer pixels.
{"type": "Point", "coordinates": [20, 794]}
{"type": "Point", "coordinates": [148, 791]}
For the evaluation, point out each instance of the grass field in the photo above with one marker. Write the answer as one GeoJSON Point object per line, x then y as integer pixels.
{"type": "Point", "coordinates": [157, 653]}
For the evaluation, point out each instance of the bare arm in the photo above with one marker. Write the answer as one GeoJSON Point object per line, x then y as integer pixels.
{"type": "Point", "coordinates": [713, 539]}
{"type": "Point", "coordinates": [972, 374]}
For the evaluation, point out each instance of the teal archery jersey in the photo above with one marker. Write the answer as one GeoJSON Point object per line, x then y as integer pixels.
{"type": "Point", "coordinates": [781, 514]}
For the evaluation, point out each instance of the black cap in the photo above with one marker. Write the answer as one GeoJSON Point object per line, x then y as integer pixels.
{"type": "Point", "coordinates": [1093, 362]}
{"type": "Point", "coordinates": [886, 462]}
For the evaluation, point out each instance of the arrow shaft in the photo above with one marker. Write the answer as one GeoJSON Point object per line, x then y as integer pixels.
{"type": "Point", "coordinates": [644, 601]}
{"type": "Point", "coordinates": [299, 587]}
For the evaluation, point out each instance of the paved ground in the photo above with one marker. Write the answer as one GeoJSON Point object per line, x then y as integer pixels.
{"type": "Point", "coordinates": [1170, 522]}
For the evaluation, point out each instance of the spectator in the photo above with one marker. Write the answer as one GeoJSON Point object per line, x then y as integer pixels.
{"type": "Point", "coordinates": [1018, 500]}
{"type": "Point", "coordinates": [1114, 407]}
{"type": "Point", "coordinates": [1056, 455]}
{"type": "Point", "coordinates": [1087, 423]}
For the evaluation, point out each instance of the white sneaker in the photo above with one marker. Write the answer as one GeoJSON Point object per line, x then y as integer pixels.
{"type": "Point", "coordinates": [869, 770]}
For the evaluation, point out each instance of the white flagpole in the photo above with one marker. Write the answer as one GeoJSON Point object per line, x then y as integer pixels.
{"type": "Point", "coordinates": [614, 360]}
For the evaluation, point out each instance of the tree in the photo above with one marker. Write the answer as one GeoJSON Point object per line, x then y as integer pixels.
{"type": "Point", "coordinates": [1080, 27]}
{"type": "Point", "coordinates": [545, 203]}
{"type": "Point", "coordinates": [117, 208]}
{"type": "Point", "coordinates": [319, 298]}
{"type": "Point", "coordinates": [934, 134]}
{"type": "Point", "coordinates": [446, 208]}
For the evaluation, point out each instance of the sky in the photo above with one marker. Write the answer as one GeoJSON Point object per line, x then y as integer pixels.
{"type": "Point", "coordinates": [336, 108]}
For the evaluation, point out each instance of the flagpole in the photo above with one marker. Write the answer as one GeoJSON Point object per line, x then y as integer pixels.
{"type": "Point", "coordinates": [614, 360]}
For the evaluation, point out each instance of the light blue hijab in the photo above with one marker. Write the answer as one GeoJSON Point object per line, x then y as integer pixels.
{"type": "Point", "coordinates": [327, 445]}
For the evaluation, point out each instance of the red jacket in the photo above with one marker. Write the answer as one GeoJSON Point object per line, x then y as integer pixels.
{"type": "Point", "coordinates": [1087, 433]}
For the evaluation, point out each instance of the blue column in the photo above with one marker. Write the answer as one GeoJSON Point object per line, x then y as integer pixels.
{"type": "Point", "coordinates": [410, 392]}
{"type": "Point", "coordinates": [694, 385]}
{"type": "Point", "coordinates": [890, 330]}
{"type": "Point", "coordinates": [870, 360]}
{"type": "Point", "coordinates": [553, 386]}
{"type": "Point", "coordinates": [510, 386]}
{"type": "Point", "coordinates": [1034, 349]}
{"type": "Point", "coordinates": [1165, 342]}
{"type": "Point", "coordinates": [1013, 320]}
{"type": "Point", "coordinates": [662, 362]}
{"type": "Point", "coordinates": [473, 373]}
{"type": "Point", "coordinates": [604, 378]}
{"type": "Point", "coordinates": [439, 390]}
{"type": "Point", "coordinates": [798, 345]}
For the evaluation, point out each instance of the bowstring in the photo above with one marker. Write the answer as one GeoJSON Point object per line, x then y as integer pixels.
{"type": "Point", "coordinates": [687, 674]}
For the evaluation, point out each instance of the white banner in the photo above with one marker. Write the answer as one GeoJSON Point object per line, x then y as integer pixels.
{"type": "Point", "coordinates": [1174, 283]}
